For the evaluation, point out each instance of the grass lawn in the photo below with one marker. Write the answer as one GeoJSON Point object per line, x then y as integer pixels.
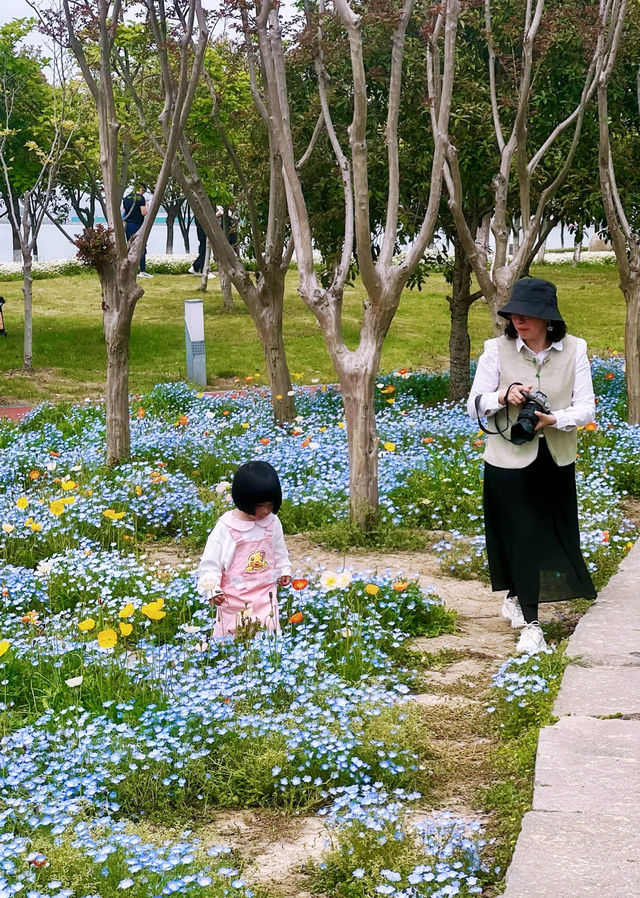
{"type": "Point", "coordinates": [70, 359]}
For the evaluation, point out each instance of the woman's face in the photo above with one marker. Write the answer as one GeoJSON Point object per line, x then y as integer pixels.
{"type": "Point", "coordinates": [530, 328]}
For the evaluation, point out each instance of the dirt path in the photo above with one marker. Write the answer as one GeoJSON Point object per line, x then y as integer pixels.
{"type": "Point", "coordinates": [276, 847]}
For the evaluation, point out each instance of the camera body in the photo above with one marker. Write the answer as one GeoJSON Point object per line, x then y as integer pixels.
{"type": "Point", "coordinates": [524, 429]}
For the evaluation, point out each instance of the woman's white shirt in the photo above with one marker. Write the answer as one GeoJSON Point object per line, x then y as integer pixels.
{"type": "Point", "coordinates": [221, 548]}
{"type": "Point", "coordinates": [485, 384]}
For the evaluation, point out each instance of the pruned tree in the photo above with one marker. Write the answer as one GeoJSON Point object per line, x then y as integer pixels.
{"type": "Point", "coordinates": [91, 27]}
{"type": "Point", "coordinates": [28, 199]}
{"type": "Point", "coordinates": [383, 277]}
{"type": "Point", "coordinates": [533, 152]}
{"type": "Point", "coordinates": [619, 201]}
{"type": "Point", "coordinates": [267, 230]}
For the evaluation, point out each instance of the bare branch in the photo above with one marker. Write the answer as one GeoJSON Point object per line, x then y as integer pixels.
{"type": "Point", "coordinates": [391, 137]}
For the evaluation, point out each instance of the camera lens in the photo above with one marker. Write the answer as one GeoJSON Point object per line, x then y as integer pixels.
{"type": "Point", "coordinates": [524, 430]}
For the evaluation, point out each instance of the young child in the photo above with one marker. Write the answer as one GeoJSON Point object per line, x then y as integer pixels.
{"type": "Point", "coordinates": [245, 556]}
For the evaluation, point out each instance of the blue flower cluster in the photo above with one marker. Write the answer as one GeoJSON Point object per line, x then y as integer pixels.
{"type": "Point", "coordinates": [304, 708]}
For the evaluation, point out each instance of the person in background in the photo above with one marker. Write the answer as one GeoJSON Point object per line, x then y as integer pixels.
{"type": "Point", "coordinates": [135, 209]}
{"type": "Point", "coordinates": [245, 557]}
{"type": "Point", "coordinates": [198, 264]}
{"type": "Point", "coordinates": [530, 504]}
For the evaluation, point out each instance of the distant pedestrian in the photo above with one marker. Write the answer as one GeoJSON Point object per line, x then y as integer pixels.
{"type": "Point", "coordinates": [135, 209]}
{"type": "Point", "coordinates": [534, 385]}
{"type": "Point", "coordinates": [198, 264]}
{"type": "Point", "coordinates": [245, 557]}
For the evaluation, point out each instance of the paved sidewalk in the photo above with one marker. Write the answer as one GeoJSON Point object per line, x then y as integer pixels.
{"type": "Point", "coordinates": [14, 412]}
{"type": "Point", "coordinates": [582, 838]}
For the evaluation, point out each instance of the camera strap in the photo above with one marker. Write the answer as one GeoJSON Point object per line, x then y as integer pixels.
{"type": "Point", "coordinates": [502, 432]}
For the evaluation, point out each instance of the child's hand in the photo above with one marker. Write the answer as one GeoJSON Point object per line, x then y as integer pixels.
{"type": "Point", "coordinates": [284, 581]}
{"type": "Point", "coordinates": [218, 599]}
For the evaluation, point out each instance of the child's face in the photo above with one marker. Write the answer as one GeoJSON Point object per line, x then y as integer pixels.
{"type": "Point", "coordinates": [263, 509]}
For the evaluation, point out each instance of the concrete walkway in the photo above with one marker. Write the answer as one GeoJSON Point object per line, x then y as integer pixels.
{"type": "Point", "coordinates": [582, 838]}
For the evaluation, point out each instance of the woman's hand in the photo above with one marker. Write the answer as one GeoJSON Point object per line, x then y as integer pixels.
{"type": "Point", "coordinates": [517, 394]}
{"type": "Point", "coordinates": [284, 581]}
{"type": "Point", "coordinates": [544, 420]}
{"type": "Point", "coordinates": [218, 599]}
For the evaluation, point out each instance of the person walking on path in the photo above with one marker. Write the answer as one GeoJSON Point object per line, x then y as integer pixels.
{"type": "Point", "coordinates": [245, 557]}
{"type": "Point", "coordinates": [135, 209]}
{"type": "Point", "coordinates": [534, 385]}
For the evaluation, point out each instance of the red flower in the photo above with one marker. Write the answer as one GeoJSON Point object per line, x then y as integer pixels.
{"type": "Point", "coordinates": [609, 375]}
{"type": "Point", "coordinates": [299, 583]}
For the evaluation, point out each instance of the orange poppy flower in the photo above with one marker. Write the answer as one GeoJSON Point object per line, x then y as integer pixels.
{"type": "Point", "coordinates": [33, 475]}
{"type": "Point", "coordinates": [265, 441]}
{"type": "Point", "coordinates": [400, 585]}
{"type": "Point", "coordinates": [609, 375]}
{"type": "Point", "coordinates": [605, 536]}
{"type": "Point", "coordinates": [299, 583]}
{"type": "Point", "coordinates": [296, 618]}
{"type": "Point", "coordinates": [591, 426]}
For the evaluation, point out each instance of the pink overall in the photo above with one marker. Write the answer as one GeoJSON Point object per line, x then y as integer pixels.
{"type": "Point", "coordinates": [250, 583]}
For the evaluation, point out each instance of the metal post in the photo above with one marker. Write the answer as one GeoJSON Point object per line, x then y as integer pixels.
{"type": "Point", "coordinates": [194, 336]}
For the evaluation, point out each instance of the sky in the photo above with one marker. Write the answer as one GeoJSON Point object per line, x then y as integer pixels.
{"type": "Point", "coordinates": [13, 9]}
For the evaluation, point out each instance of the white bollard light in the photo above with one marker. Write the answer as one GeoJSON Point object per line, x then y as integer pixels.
{"type": "Point", "coordinates": [194, 336]}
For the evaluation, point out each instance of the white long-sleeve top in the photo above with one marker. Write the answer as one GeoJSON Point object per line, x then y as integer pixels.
{"type": "Point", "coordinates": [220, 549]}
{"type": "Point", "coordinates": [485, 384]}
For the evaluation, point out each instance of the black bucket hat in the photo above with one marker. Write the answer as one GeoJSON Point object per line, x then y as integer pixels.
{"type": "Point", "coordinates": [534, 297]}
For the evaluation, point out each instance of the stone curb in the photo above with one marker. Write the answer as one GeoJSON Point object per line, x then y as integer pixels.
{"type": "Point", "coordinates": [582, 838]}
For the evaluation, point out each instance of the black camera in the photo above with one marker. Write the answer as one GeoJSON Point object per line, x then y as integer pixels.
{"type": "Point", "coordinates": [524, 430]}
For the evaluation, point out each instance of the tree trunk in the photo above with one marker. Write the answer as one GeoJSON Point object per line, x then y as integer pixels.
{"type": "Point", "coordinates": [577, 247]}
{"type": "Point", "coordinates": [27, 292]}
{"type": "Point", "coordinates": [171, 217]}
{"type": "Point", "coordinates": [184, 222]}
{"type": "Point", "coordinates": [358, 397]}
{"type": "Point", "coordinates": [541, 252]}
{"type": "Point", "coordinates": [269, 327]}
{"type": "Point", "coordinates": [631, 291]}
{"type": "Point", "coordinates": [17, 251]}
{"type": "Point", "coordinates": [206, 268]}
{"type": "Point", "coordinates": [459, 343]}
{"type": "Point", "coordinates": [120, 293]}
{"type": "Point", "coordinates": [225, 287]}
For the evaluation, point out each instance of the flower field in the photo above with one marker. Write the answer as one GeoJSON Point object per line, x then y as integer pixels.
{"type": "Point", "coordinates": [118, 710]}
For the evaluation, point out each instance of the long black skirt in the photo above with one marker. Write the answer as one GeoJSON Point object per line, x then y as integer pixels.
{"type": "Point", "coordinates": [531, 527]}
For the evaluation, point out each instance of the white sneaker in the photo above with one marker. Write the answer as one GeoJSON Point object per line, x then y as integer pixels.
{"type": "Point", "coordinates": [531, 640]}
{"type": "Point", "coordinates": [512, 611]}
{"type": "Point", "coordinates": [144, 274]}
{"type": "Point", "coordinates": [193, 271]}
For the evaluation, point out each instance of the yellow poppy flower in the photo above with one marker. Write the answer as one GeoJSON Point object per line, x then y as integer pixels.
{"type": "Point", "coordinates": [153, 610]}
{"type": "Point", "coordinates": [371, 589]}
{"type": "Point", "coordinates": [22, 503]}
{"type": "Point", "coordinates": [35, 527]}
{"type": "Point", "coordinates": [68, 500]}
{"type": "Point", "coordinates": [56, 507]}
{"type": "Point", "coordinates": [113, 515]}
{"type": "Point", "coordinates": [68, 484]}
{"type": "Point", "coordinates": [125, 629]}
{"type": "Point", "coordinates": [4, 647]}
{"type": "Point", "coordinates": [390, 447]}
{"type": "Point", "coordinates": [127, 611]}
{"type": "Point", "coordinates": [107, 638]}
{"type": "Point", "coordinates": [87, 624]}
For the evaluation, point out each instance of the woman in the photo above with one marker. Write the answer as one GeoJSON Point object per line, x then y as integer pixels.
{"type": "Point", "coordinates": [530, 505]}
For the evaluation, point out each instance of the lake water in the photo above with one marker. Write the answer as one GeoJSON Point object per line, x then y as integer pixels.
{"type": "Point", "coordinates": [53, 245]}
